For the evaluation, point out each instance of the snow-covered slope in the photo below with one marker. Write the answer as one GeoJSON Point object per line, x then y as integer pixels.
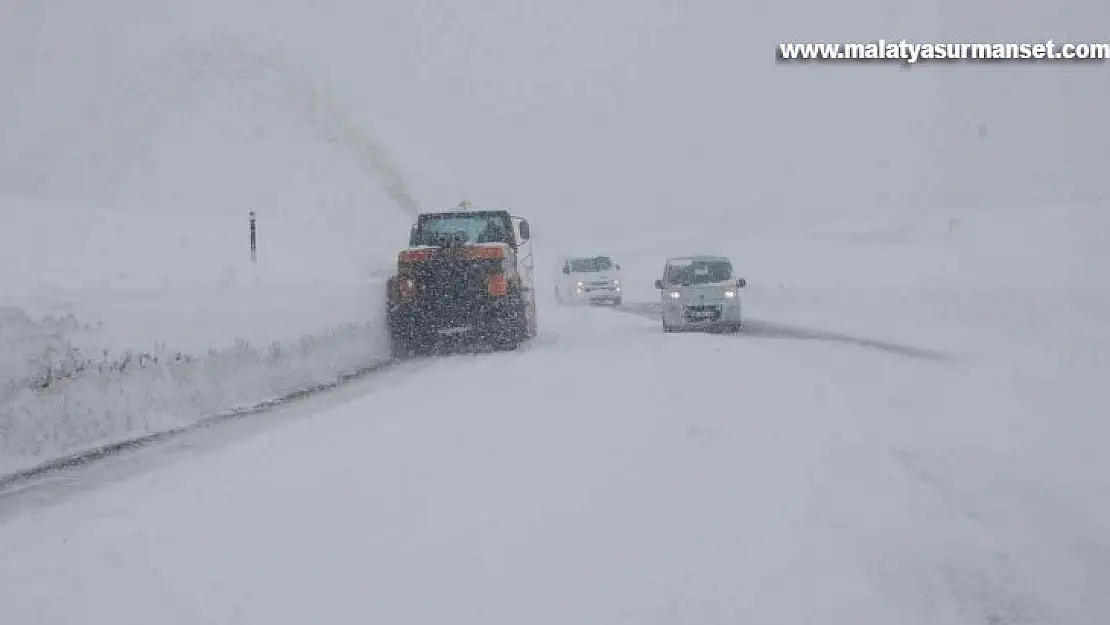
{"type": "Point", "coordinates": [115, 324]}
{"type": "Point", "coordinates": [131, 151]}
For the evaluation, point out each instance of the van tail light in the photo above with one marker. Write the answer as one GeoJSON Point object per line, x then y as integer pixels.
{"type": "Point", "coordinates": [498, 285]}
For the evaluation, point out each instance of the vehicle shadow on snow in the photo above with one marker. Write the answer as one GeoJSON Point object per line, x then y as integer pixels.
{"type": "Point", "coordinates": [771, 330]}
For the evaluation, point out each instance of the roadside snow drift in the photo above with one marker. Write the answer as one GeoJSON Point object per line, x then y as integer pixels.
{"type": "Point", "coordinates": [117, 325]}
{"type": "Point", "coordinates": [127, 171]}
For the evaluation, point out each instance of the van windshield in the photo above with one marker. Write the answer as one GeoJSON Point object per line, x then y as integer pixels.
{"type": "Point", "coordinates": [699, 272]}
{"type": "Point", "coordinates": [590, 265]}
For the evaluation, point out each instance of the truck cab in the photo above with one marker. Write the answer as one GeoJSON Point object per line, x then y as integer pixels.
{"type": "Point", "coordinates": [466, 275]}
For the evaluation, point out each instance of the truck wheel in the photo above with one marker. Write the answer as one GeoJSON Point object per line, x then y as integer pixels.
{"type": "Point", "coordinates": [403, 345]}
{"type": "Point", "coordinates": [533, 320]}
{"type": "Point", "coordinates": [509, 341]}
{"type": "Point", "coordinates": [514, 333]}
{"type": "Point", "coordinates": [399, 347]}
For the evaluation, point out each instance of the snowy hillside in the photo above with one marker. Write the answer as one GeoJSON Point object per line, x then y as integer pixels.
{"type": "Point", "coordinates": [115, 325]}
{"type": "Point", "coordinates": [126, 174]}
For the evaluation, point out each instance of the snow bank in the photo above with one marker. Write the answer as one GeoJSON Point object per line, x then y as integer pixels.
{"type": "Point", "coordinates": [75, 402]}
{"type": "Point", "coordinates": [115, 325]}
{"type": "Point", "coordinates": [126, 176]}
{"type": "Point", "coordinates": [35, 352]}
{"type": "Point", "coordinates": [66, 387]}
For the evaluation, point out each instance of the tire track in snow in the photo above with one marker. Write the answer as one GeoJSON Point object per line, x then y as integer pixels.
{"type": "Point", "coordinates": [759, 328]}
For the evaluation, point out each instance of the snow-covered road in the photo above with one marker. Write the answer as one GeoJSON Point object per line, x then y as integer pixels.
{"type": "Point", "coordinates": [607, 474]}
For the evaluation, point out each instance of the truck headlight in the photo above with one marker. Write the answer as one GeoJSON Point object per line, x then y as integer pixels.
{"type": "Point", "coordinates": [616, 282]}
{"type": "Point", "coordinates": [730, 294]}
{"type": "Point", "coordinates": [675, 295]}
{"type": "Point", "coordinates": [580, 284]}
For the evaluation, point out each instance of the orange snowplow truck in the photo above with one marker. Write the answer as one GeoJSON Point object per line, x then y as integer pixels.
{"type": "Point", "coordinates": [466, 276]}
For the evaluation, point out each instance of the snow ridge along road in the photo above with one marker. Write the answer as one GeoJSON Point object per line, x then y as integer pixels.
{"type": "Point", "coordinates": [97, 349]}
{"type": "Point", "coordinates": [76, 460]}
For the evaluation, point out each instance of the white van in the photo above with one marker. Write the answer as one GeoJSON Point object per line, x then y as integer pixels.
{"type": "Point", "coordinates": [700, 292]}
{"type": "Point", "coordinates": [588, 279]}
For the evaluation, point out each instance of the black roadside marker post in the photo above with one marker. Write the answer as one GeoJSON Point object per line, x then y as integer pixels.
{"type": "Point", "coordinates": [254, 239]}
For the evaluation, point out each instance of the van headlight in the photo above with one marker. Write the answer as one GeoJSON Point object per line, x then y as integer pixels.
{"type": "Point", "coordinates": [730, 294]}
{"type": "Point", "coordinates": [675, 295]}
{"type": "Point", "coordinates": [580, 284]}
{"type": "Point", "coordinates": [616, 282]}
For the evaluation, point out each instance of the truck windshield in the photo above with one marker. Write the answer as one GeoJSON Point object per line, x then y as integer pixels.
{"type": "Point", "coordinates": [590, 265]}
{"type": "Point", "coordinates": [699, 272]}
{"type": "Point", "coordinates": [461, 229]}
